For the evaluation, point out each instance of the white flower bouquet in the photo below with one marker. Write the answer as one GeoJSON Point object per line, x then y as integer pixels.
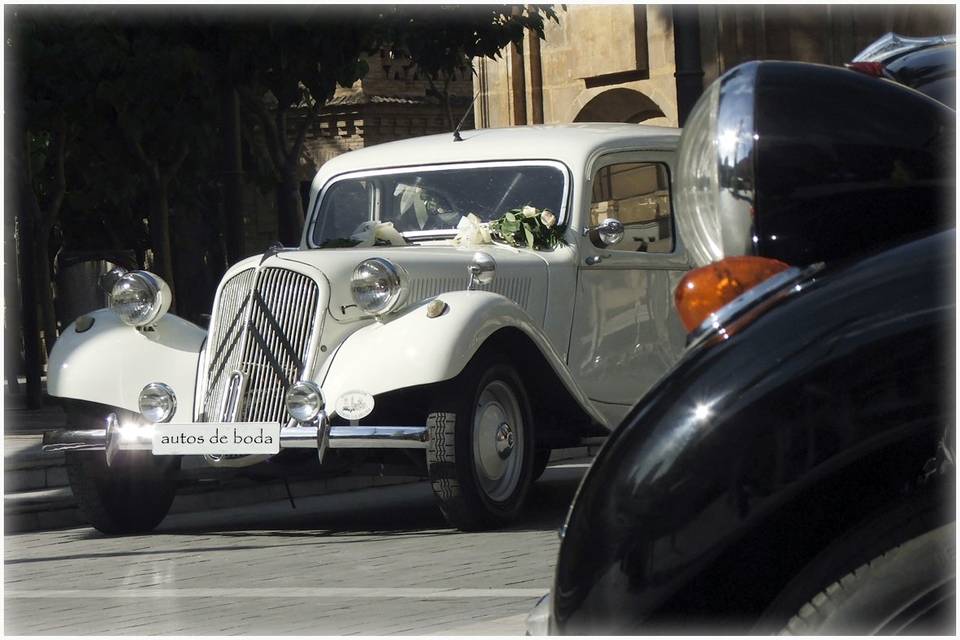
{"type": "Point", "coordinates": [528, 226]}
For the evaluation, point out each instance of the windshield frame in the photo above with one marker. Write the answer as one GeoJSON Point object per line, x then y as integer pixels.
{"type": "Point", "coordinates": [437, 233]}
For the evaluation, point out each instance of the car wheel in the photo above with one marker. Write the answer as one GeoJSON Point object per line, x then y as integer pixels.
{"type": "Point", "coordinates": [910, 589]}
{"type": "Point", "coordinates": [132, 495]}
{"type": "Point", "coordinates": [540, 461]}
{"type": "Point", "coordinates": [481, 455]}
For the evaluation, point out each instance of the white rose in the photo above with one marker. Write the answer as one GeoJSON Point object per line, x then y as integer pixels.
{"type": "Point", "coordinates": [386, 231]}
{"type": "Point", "coordinates": [529, 212]}
{"type": "Point", "coordinates": [471, 231]}
{"type": "Point", "coordinates": [364, 233]}
{"type": "Point", "coordinates": [548, 219]}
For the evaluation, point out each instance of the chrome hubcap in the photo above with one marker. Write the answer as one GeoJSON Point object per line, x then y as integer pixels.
{"type": "Point", "coordinates": [498, 440]}
{"type": "Point", "coordinates": [503, 441]}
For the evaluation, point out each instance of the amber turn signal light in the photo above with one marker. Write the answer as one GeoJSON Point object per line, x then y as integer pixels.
{"type": "Point", "coordinates": [702, 291]}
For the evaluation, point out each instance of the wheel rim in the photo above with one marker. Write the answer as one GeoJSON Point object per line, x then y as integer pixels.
{"type": "Point", "coordinates": [498, 446]}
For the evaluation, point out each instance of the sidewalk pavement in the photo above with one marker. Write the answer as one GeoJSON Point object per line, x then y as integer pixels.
{"type": "Point", "coordinates": [37, 494]}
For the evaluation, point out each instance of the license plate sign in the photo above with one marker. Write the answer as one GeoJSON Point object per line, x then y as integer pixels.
{"type": "Point", "coordinates": [215, 438]}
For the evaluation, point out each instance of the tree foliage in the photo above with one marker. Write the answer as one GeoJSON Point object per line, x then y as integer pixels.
{"type": "Point", "coordinates": [284, 67]}
{"type": "Point", "coordinates": [443, 40]}
{"type": "Point", "coordinates": [119, 123]}
{"type": "Point", "coordinates": [54, 100]}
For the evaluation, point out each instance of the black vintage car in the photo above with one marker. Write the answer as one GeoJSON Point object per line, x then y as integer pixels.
{"type": "Point", "coordinates": [928, 65]}
{"type": "Point", "coordinates": [794, 472]}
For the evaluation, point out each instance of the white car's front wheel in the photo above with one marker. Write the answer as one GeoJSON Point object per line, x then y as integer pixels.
{"type": "Point", "coordinates": [132, 495]}
{"type": "Point", "coordinates": [481, 453]}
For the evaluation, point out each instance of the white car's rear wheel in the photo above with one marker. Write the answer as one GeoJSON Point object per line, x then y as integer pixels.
{"type": "Point", "coordinates": [481, 453]}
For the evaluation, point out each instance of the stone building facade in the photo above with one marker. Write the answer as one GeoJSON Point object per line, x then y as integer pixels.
{"type": "Point", "coordinates": [619, 62]}
{"type": "Point", "coordinates": [392, 102]}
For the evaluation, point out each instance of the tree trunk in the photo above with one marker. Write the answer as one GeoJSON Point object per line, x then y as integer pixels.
{"type": "Point", "coordinates": [160, 236]}
{"type": "Point", "coordinates": [283, 161]}
{"type": "Point", "coordinates": [44, 286]}
{"type": "Point", "coordinates": [232, 167]}
{"type": "Point", "coordinates": [446, 104]}
{"type": "Point", "coordinates": [289, 209]}
{"type": "Point", "coordinates": [12, 361]}
{"type": "Point", "coordinates": [28, 289]}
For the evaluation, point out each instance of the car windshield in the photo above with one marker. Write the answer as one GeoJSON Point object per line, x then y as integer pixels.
{"type": "Point", "coordinates": [430, 201]}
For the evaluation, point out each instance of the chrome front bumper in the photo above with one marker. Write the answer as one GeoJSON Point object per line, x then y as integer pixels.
{"type": "Point", "coordinates": [319, 435]}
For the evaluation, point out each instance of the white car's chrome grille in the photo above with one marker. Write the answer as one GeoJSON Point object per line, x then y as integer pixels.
{"type": "Point", "coordinates": [262, 329]}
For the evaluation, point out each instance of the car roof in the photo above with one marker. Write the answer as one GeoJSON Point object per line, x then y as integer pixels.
{"type": "Point", "coordinates": [932, 71]}
{"type": "Point", "coordinates": [571, 144]}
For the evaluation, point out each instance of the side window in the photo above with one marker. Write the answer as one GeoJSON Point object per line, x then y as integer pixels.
{"type": "Point", "coordinates": [638, 195]}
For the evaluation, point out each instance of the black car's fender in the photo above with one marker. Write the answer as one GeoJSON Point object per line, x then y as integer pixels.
{"type": "Point", "coordinates": [756, 451]}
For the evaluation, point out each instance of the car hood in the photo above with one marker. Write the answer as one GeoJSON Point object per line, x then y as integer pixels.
{"type": "Point", "coordinates": [521, 274]}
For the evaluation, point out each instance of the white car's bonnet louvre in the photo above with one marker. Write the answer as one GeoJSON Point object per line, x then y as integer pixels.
{"type": "Point", "coordinates": [516, 288]}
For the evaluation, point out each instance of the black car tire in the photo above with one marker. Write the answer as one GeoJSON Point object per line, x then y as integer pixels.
{"type": "Point", "coordinates": [462, 457]}
{"type": "Point", "coordinates": [909, 589]}
{"type": "Point", "coordinates": [540, 461]}
{"type": "Point", "coordinates": [889, 527]}
{"type": "Point", "coordinates": [133, 495]}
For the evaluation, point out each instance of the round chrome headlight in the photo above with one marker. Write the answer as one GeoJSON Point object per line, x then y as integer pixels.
{"type": "Point", "coordinates": [377, 286]}
{"type": "Point", "coordinates": [714, 178]}
{"type": "Point", "coordinates": [140, 298]}
{"type": "Point", "coordinates": [304, 401]}
{"type": "Point", "coordinates": [157, 402]}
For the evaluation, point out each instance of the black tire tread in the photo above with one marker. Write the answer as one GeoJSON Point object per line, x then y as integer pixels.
{"type": "Point", "coordinates": [441, 462]}
{"type": "Point", "coordinates": [817, 616]}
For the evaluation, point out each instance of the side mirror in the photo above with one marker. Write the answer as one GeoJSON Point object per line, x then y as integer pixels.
{"type": "Point", "coordinates": [607, 233]}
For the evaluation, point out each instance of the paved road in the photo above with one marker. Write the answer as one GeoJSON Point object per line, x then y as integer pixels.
{"type": "Point", "coordinates": [375, 561]}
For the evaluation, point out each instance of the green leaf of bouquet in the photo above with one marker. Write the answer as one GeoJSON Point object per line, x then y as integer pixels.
{"type": "Point", "coordinates": [529, 235]}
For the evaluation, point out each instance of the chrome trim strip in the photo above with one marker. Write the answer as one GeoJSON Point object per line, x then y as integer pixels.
{"type": "Point", "coordinates": [778, 286]}
{"type": "Point", "coordinates": [74, 440]}
{"type": "Point", "coordinates": [891, 45]}
{"type": "Point", "coordinates": [298, 437]}
{"type": "Point", "coordinates": [349, 437]}
{"type": "Point", "coordinates": [140, 438]}
{"type": "Point", "coordinates": [736, 155]}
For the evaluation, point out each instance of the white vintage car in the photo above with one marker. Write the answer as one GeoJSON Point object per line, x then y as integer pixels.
{"type": "Point", "coordinates": [398, 325]}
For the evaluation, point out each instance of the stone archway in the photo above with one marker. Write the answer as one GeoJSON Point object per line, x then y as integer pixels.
{"type": "Point", "coordinates": [619, 105]}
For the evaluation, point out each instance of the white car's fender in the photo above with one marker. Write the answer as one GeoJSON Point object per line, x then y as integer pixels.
{"type": "Point", "coordinates": [412, 349]}
{"type": "Point", "coordinates": [111, 362]}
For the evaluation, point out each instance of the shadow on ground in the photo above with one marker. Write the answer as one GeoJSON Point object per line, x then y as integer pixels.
{"type": "Point", "coordinates": [407, 510]}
